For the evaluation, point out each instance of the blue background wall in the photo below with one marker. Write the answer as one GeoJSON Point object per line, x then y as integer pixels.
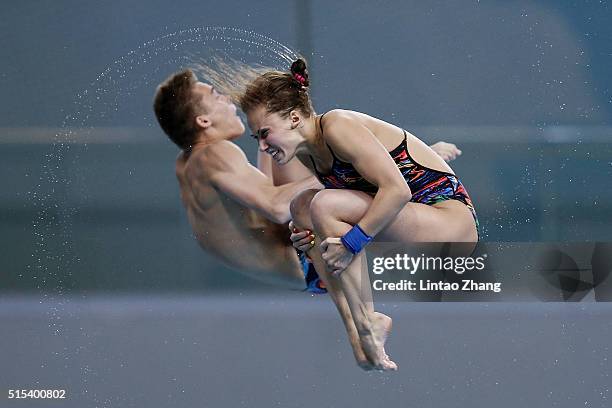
{"type": "Point", "coordinates": [522, 87]}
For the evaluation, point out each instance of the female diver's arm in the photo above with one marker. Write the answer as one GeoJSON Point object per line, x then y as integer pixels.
{"type": "Point", "coordinates": [354, 143]}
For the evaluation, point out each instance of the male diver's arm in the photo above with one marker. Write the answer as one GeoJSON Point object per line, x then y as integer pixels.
{"type": "Point", "coordinates": [229, 171]}
{"type": "Point", "coordinates": [355, 143]}
{"type": "Point", "coordinates": [264, 163]}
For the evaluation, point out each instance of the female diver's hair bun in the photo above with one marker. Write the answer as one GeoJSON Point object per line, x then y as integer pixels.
{"type": "Point", "coordinates": [299, 72]}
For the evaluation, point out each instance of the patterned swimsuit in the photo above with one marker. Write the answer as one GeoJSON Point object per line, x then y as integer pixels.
{"type": "Point", "coordinates": [428, 186]}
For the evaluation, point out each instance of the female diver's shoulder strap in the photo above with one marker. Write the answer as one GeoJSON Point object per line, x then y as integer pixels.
{"type": "Point", "coordinates": [321, 126]}
{"type": "Point", "coordinates": [321, 122]}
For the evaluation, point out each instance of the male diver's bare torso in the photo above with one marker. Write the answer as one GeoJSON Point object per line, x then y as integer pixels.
{"type": "Point", "coordinates": [233, 233]}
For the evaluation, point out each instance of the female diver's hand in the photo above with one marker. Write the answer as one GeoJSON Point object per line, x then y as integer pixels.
{"type": "Point", "coordinates": [301, 240]}
{"type": "Point", "coordinates": [447, 151]}
{"type": "Point", "coordinates": [335, 254]}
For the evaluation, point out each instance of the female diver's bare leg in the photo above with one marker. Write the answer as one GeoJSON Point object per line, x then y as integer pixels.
{"type": "Point", "coordinates": [372, 328]}
{"type": "Point", "coordinates": [301, 218]}
{"type": "Point", "coordinates": [446, 221]}
{"type": "Point", "coordinates": [334, 212]}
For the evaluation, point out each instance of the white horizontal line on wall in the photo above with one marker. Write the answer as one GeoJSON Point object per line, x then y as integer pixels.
{"type": "Point", "coordinates": [463, 134]}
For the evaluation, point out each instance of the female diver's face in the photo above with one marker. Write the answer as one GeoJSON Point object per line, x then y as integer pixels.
{"type": "Point", "coordinates": [275, 135]}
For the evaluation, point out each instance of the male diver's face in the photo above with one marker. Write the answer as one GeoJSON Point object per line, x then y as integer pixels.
{"type": "Point", "coordinates": [274, 134]}
{"type": "Point", "coordinates": [219, 110]}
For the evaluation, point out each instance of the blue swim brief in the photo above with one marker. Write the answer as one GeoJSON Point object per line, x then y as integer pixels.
{"type": "Point", "coordinates": [314, 284]}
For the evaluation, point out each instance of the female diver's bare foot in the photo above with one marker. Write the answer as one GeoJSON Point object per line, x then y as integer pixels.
{"type": "Point", "coordinates": [381, 328]}
{"type": "Point", "coordinates": [362, 360]}
{"type": "Point", "coordinates": [373, 343]}
{"type": "Point", "coordinates": [360, 356]}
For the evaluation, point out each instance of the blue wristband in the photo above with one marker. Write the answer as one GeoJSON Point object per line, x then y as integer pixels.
{"type": "Point", "coordinates": [355, 239]}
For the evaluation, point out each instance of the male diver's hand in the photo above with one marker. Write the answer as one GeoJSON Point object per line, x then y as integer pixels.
{"type": "Point", "coordinates": [446, 151]}
{"type": "Point", "coordinates": [301, 240]}
{"type": "Point", "coordinates": [335, 255]}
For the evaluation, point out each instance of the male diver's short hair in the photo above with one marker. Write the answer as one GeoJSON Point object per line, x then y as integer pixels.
{"type": "Point", "coordinates": [175, 107]}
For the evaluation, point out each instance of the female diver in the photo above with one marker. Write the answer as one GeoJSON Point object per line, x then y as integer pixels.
{"type": "Point", "coordinates": [381, 183]}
